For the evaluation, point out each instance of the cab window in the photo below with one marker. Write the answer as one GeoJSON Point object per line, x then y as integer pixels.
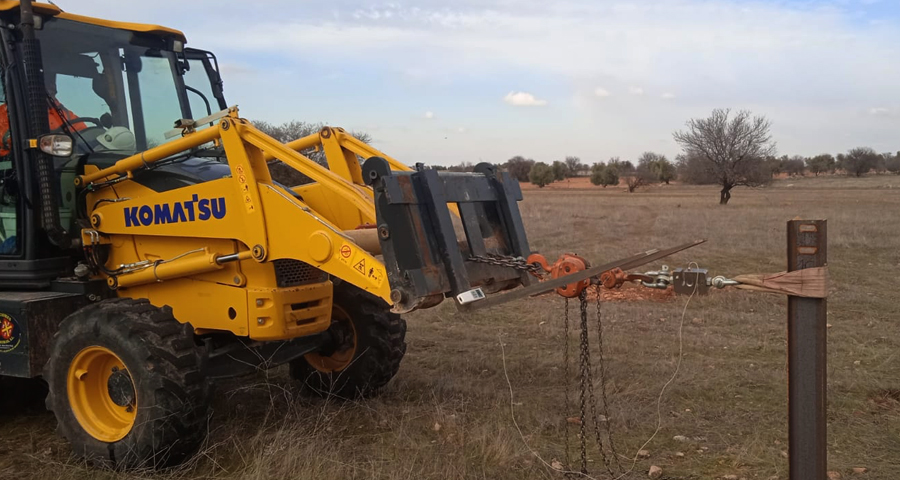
{"type": "Point", "coordinates": [9, 209]}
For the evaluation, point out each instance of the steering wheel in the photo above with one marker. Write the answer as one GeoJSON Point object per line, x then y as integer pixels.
{"type": "Point", "coordinates": [94, 124]}
{"type": "Point", "coordinates": [93, 128]}
{"type": "Point", "coordinates": [95, 121]}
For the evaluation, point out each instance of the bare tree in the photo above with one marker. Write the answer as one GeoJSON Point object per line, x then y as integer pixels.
{"type": "Point", "coordinates": [773, 166]}
{"type": "Point", "coordinates": [794, 166]}
{"type": "Point", "coordinates": [293, 130]}
{"type": "Point", "coordinates": [639, 176]}
{"type": "Point", "coordinates": [859, 161]}
{"type": "Point", "coordinates": [519, 167]}
{"type": "Point", "coordinates": [732, 148]}
{"type": "Point", "coordinates": [881, 162]}
{"type": "Point", "coordinates": [693, 170]}
{"type": "Point", "coordinates": [574, 166]}
{"type": "Point", "coordinates": [662, 169]}
{"type": "Point", "coordinates": [893, 164]}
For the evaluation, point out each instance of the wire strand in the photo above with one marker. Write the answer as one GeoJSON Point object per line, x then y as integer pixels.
{"type": "Point", "coordinates": [512, 413]}
{"type": "Point", "coordinates": [668, 382]}
{"type": "Point", "coordinates": [659, 398]}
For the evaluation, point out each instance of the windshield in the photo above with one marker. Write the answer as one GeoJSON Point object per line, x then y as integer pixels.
{"type": "Point", "coordinates": [115, 90]}
{"type": "Point", "coordinates": [200, 94]}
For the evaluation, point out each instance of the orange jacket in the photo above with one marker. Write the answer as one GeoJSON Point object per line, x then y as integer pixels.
{"type": "Point", "coordinates": [56, 122]}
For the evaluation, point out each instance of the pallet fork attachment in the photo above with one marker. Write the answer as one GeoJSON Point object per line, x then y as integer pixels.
{"type": "Point", "coordinates": [425, 258]}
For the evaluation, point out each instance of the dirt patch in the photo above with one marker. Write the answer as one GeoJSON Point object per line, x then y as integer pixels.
{"type": "Point", "coordinates": [630, 292]}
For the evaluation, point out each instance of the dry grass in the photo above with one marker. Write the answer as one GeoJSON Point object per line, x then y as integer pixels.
{"type": "Point", "coordinates": [729, 397]}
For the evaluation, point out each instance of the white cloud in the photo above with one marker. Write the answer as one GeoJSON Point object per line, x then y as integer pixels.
{"type": "Point", "coordinates": [691, 39]}
{"type": "Point", "coordinates": [667, 96]}
{"type": "Point", "coordinates": [601, 92]}
{"type": "Point", "coordinates": [429, 115]}
{"type": "Point", "coordinates": [713, 53]}
{"type": "Point", "coordinates": [523, 99]}
{"type": "Point", "coordinates": [635, 90]}
{"type": "Point", "coordinates": [461, 129]}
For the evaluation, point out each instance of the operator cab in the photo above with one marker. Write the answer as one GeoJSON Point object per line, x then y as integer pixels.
{"type": "Point", "coordinates": [113, 78]}
{"type": "Point", "coordinates": [115, 89]}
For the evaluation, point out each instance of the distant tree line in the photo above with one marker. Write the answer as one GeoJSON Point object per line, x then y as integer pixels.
{"type": "Point", "coordinates": [727, 148]}
{"type": "Point", "coordinates": [693, 168]}
{"type": "Point", "coordinates": [856, 162]}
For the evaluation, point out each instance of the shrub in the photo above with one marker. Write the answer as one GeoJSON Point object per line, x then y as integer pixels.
{"type": "Point", "coordinates": [541, 174]}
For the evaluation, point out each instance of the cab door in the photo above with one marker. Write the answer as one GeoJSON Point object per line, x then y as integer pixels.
{"type": "Point", "coordinates": [10, 214]}
{"type": "Point", "coordinates": [28, 261]}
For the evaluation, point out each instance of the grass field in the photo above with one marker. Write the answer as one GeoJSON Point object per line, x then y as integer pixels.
{"type": "Point", "coordinates": [447, 414]}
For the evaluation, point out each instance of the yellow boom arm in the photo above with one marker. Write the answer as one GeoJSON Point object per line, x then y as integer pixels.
{"type": "Point", "coordinates": [215, 231]}
{"type": "Point", "coordinates": [234, 240]}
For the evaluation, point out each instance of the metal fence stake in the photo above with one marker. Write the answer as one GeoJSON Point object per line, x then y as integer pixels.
{"type": "Point", "coordinates": [807, 326]}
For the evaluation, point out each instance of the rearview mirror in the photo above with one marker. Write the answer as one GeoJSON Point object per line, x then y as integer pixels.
{"type": "Point", "coordinates": [56, 145]}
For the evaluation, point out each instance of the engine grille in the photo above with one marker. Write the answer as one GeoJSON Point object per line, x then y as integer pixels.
{"type": "Point", "coordinates": [292, 273]}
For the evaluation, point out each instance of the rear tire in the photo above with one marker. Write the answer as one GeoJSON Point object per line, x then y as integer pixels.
{"type": "Point", "coordinates": [363, 368]}
{"type": "Point", "coordinates": [127, 385]}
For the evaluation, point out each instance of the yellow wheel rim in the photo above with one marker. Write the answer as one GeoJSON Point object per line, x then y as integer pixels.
{"type": "Point", "coordinates": [91, 387]}
{"type": "Point", "coordinates": [337, 361]}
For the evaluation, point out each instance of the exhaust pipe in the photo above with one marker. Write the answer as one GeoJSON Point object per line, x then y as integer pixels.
{"type": "Point", "coordinates": [38, 124]}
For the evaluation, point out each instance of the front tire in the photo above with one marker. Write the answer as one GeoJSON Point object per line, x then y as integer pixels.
{"type": "Point", "coordinates": [127, 385]}
{"type": "Point", "coordinates": [370, 345]}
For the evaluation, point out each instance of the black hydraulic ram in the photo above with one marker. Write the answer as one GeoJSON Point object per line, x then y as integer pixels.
{"type": "Point", "coordinates": [425, 259]}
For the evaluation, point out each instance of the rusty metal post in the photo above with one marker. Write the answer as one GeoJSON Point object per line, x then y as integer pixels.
{"type": "Point", "coordinates": [807, 244]}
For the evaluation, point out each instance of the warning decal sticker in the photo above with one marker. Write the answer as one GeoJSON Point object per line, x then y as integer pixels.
{"type": "Point", "coordinates": [355, 257]}
{"type": "Point", "coordinates": [346, 254]}
{"type": "Point", "coordinates": [10, 333]}
{"type": "Point", "coordinates": [360, 266]}
{"type": "Point", "coordinates": [245, 189]}
{"type": "Point", "coordinates": [376, 275]}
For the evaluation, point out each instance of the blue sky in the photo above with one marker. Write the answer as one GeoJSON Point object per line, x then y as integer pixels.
{"type": "Point", "coordinates": [451, 81]}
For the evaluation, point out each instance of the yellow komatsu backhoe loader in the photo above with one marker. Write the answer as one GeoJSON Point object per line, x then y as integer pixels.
{"type": "Point", "coordinates": [139, 262]}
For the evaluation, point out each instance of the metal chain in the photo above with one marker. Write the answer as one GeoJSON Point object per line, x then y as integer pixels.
{"type": "Point", "coordinates": [587, 397]}
{"type": "Point", "coordinates": [588, 367]}
{"type": "Point", "coordinates": [517, 263]}
{"type": "Point", "coordinates": [568, 407]}
{"type": "Point", "coordinates": [602, 370]}
{"type": "Point", "coordinates": [585, 375]}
